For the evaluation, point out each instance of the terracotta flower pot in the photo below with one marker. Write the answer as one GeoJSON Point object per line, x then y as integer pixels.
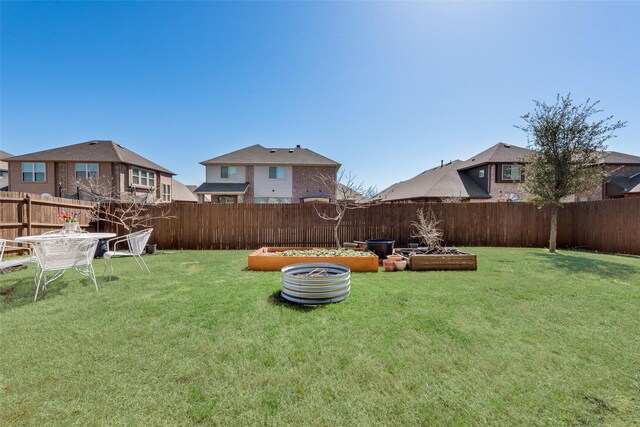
{"type": "Point", "coordinates": [389, 265]}
{"type": "Point", "coordinates": [394, 258]}
{"type": "Point", "coordinates": [401, 265]}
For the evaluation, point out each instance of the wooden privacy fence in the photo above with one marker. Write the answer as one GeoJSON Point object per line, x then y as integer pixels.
{"type": "Point", "coordinates": [609, 226]}
{"type": "Point", "coordinates": [23, 214]}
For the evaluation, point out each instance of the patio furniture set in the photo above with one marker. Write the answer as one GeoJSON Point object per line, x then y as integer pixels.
{"type": "Point", "coordinates": [54, 253]}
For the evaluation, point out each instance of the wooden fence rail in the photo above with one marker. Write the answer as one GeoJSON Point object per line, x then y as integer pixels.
{"type": "Point", "coordinates": [23, 214]}
{"type": "Point", "coordinates": [608, 226]}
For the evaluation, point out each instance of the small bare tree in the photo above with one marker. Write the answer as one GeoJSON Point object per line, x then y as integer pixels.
{"type": "Point", "coordinates": [452, 199]}
{"type": "Point", "coordinates": [349, 194]}
{"type": "Point", "coordinates": [426, 229]}
{"type": "Point", "coordinates": [126, 209]}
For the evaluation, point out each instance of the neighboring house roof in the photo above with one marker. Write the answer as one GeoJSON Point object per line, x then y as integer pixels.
{"type": "Point", "coordinates": [4, 155]}
{"type": "Point", "coordinates": [92, 151]}
{"type": "Point", "coordinates": [345, 193]}
{"type": "Point", "coordinates": [259, 155]}
{"type": "Point", "coordinates": [222, 188]}
{"type": "Point", "coordinates": [439, 182]}
{"type": "Point", "coordinates": [181, 192]}
{"type": "Point", "coordinates": [619, 185]}
{"type": "Point", "coordinates": [192, 188]}
{"type": "Point", "coordinates": [499, 153]}
{"type": "Point", "coordinates": [616, 158]}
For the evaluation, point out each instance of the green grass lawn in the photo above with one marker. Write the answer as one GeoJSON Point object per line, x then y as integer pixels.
{"type": "Point", "coordinates": [529, 339]}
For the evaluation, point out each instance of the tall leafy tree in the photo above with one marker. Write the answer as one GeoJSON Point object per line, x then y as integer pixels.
{"type": "Point", "coordinates": [567, 146]}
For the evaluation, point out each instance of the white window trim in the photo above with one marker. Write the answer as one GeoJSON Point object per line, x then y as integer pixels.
{"type": "Point", "coordinates": [510, 165]}
{"type": "Point", "coordinates": [149, 175]}
{"type": "Point", "coordinates": [86, 170]}
{"type": "Point", "coordinates": [230, 175]}
{"type": "Point", "coordinates": [284, 173]}
{"type": "Point", "coordinates": [166, 192]}
{"type": "Point", "coordinates": [33, 171]}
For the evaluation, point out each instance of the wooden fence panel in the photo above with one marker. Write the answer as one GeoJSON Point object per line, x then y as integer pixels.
{"type": "Point", "coordinates": [23, 214]}
{"type": "Point", "coordinates": [608, 226]}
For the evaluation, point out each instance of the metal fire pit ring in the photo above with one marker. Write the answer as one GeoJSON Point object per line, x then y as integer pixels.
{"type": "Point", "coordinates": [327, 283]}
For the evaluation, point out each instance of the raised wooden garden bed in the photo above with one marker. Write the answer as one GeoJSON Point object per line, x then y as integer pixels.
{"type": "Point", "coordinates": [265, 259]}
{"type": "Point", "coordinates": [424, 262]}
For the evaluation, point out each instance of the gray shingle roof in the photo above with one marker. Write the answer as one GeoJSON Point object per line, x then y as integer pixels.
{"type": "Point", "coordinates": [439, 182]}
{"type": "Point", "coordinates": [625, 184]}
{"type": "Point", "coordinates": [4, 155]}
{"type": "Point", "coordinates": [616, 158]}
{"type": "Point", "coordinates": [259, 155]}
{"type": "Point", "coordinates": [223, 187]}
{"type": "Point", "coordinates": [92, 151]}
{"type": "Point", "coordinates": [181, 192]}
{"type": "Point", "coordinates": [499, 153]}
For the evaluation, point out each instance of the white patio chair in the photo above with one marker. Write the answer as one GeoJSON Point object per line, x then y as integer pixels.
{"type": "Point", "coordinates": [136, 243]}
{"type": "Point", "coordinates": [13, 261]}
{"type": "Point", "coordinates": [60, 255]}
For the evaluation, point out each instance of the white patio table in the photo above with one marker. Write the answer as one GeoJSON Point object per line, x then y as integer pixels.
{"type": "Point", "coordinates": [45, 237]}
{"type": "Point", "coordinates": [62, 261]}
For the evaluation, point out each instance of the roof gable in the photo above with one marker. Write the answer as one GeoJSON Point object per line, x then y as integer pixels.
{"type": "Point", "coordinates": [499, 153]}
{"type": "Point", "coordinates": [182, 193]}
{"type": "Point", "coordinates": [259, 155]}
{"type": "Point", "coordinates": [92, 151]}
{"type": "Point", "coordinates": [439, 182]}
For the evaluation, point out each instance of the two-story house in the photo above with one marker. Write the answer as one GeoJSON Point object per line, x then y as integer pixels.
{"type": "Point", "coordinates": [496, 173]}
{"type": "Point", "coordinates": [61, 171]}
{"type": "Point", "coordinates": [268, 175]}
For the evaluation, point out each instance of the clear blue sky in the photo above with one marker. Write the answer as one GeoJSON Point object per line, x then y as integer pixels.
{"type": "Point", "coordinates": [387, 89]}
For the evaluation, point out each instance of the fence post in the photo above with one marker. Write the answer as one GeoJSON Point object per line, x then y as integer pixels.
{"type": "Point", "coordinates": [28, 214]}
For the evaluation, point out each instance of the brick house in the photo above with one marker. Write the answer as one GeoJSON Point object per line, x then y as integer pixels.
{"type": "Point", "coordinates": [267, 175]}
{"type": "Point", "coordinates": [495, 175]}
{"type": "Point", "coordinates": [59, 170]}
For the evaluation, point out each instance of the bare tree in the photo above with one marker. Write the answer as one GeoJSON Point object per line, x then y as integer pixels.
{"type": "Point", "coordinates": [129, 210]}
{"type": "Point", "coordinates": [426, 229]}
{"type": "Point", "coordinates": [452, 199]}
{"type": "Point", "coordinates": [349, 194]}
{"type": "Point", "coordinates": [566, 147]}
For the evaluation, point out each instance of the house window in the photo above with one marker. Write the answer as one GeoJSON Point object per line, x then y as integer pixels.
{"type": "Point", "coordinates": [143, 177]}
{"type": "Point", "coordinates": [481, 173]}
{"type": "Point", "coordinates": [4, 174]}
{"type": "Point", "coordinates": [228, 172]}
{"type": "Point", "coordinates": [33, 172]}
{"type": "Point", "coordinates": [86, 170]}
{"type": "Point", "coordinates": [166, 193]}
{"type": "Point", "coordinates": [227, 199]}
{"type": "Point", "coordinates": [511, 173]}
{"type": "Point", "coordinates": [276, 172]}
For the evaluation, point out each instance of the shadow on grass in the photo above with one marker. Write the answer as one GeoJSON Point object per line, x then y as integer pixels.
{"type": "Point", "coordinates": [580, 264]}
{"type": "Point", "coordinates": [277, 299]}
{"type": "Point", "coordinates": [22, 291]}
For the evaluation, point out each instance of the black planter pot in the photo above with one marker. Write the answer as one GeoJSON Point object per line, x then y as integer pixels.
{"type": "Point", "coordinates": [101, 248]}
{"type": "Point", "coordinates": [381, 247]}
{"type": "Point", "coordinates": [151, 248]}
